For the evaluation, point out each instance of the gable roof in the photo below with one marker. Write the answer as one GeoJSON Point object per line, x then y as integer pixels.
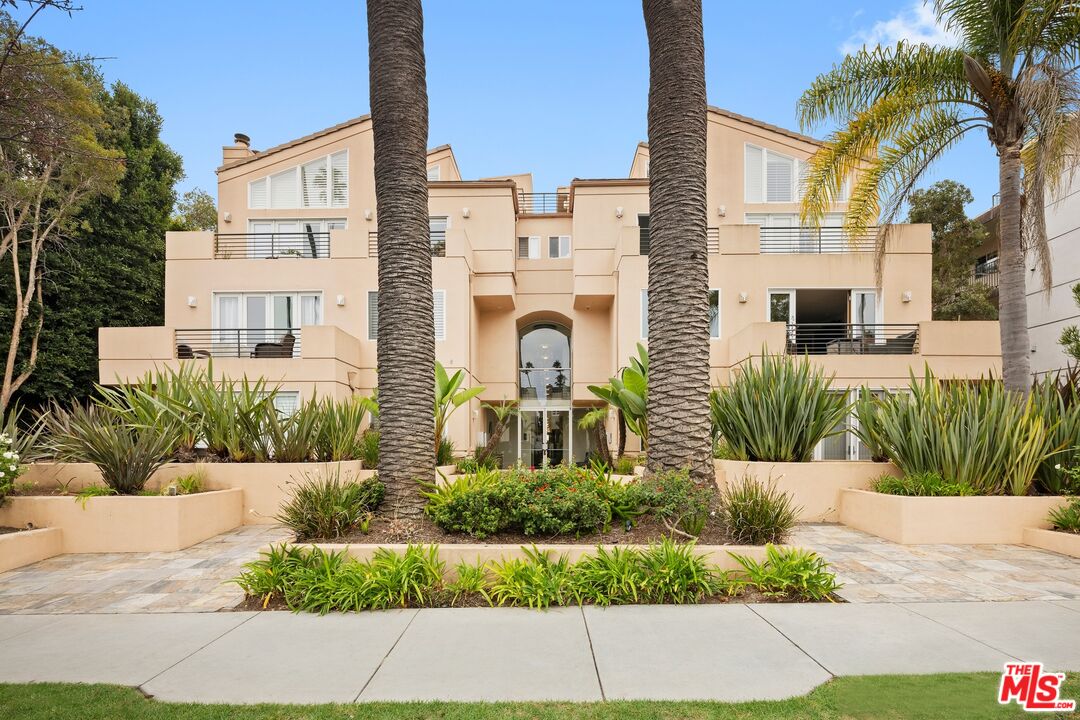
{"type": "Point", "coordinates": [260, 154]}
{"type": "Point", "coordinates": [756, 123]}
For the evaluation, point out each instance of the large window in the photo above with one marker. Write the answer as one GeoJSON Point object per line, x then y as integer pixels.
{"type": "Point", "coordinates": [439, 305]}
{"type": "Point", "coordinates": [323, 182]}
{"type": "Point", "coordinates": [770, 176]}
{"type": "Point", "coordinates": [274, 238]}
{"type": "Point", "coordinates": [437, 227]}
{"type": "Point", "coordinates": [265, 311]}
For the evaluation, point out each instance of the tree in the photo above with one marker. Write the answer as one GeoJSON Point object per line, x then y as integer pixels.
{"type": "Point", "coordinates": [51, 164]}
{"type": "Point", "coordinates": [406, 347]}
{"type": "Point", "coordinates": [110, 270]}
{"type": "Point", "coordinates": [956, 238]}
{"type": "Point", "coordinates": [1070, 336]}
{"type": "Point", "coordinates": [678, 408]}
{"type": "Point", "coordinates": [1014, 76]}
{"type": "Point", "coordinates": [195, 210]}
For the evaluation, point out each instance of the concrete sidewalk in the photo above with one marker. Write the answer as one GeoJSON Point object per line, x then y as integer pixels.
{"type": "Point", "coordinates": [708, 652]}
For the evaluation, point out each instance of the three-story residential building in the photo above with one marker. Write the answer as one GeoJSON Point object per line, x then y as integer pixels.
{"type": "Point", "coordinates": [537, 294]}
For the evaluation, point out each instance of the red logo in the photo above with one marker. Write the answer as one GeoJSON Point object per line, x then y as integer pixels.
{"type": "Point", "coordinates": [1033, 689]}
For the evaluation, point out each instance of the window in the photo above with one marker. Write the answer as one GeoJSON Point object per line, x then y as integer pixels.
{"type": "Point", "coordinates": [529, 247]}
{"type": "Point", "coordinates": [323, 182]}
{"type": "Point", "coordinates": [643, 234]}
{"type": "Point", "coordinates": [286, 402]}
{"type": "Point", "coordinates": [433, 173]}
{"type": "Point", "coordinates": [645, 314]}
{"type": "Point", "coordinates": [437, 227]}
{"type": "Point", "coordinates": [714, 314]}
{"type": "Point", "coordinates": [244, 320]}
{"type": "Point", "coordinates": [559, 246]}
{"type": "Point", "coordinates": [770, 176]}
{"type": "Point", "coordinates": [439, 306]}
{"type": "Point", "coordinates": [291, 238]}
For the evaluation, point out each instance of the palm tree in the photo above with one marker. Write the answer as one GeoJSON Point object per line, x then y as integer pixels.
{"type": "Point", "coordinates": [678, 407]}
{"type": "Point", "coordinates": [1013, 75]}
{"type": "Point", "coordinates": [406, 346]}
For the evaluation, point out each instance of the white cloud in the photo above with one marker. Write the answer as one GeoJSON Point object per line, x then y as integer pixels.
{"type": "Point", "coordinates": [915, 24]}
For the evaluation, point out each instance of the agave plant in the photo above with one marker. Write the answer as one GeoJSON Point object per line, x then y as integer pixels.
{"type": "Point", "coordinates": [629, 393]}
{"type": "Point", "coordinates": [449, 396]}
{"type": "Point", "coordinates": [339, 426]}
{"type": "Point", "coordinates": [778, 410]}
{"type": "Point", "coordinates": [127, 455]}
{"type": "Point", "coordinates": [160, 396]}
{"type": "Point", "coordinates": [231, 416]}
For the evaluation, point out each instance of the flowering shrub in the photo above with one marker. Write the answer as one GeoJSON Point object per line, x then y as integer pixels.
{"type": "Point", "coordinates": [9, 465]}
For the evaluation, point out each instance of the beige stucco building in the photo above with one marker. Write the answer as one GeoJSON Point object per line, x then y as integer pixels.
{"type": "Point", "coordinates": [537, 295]}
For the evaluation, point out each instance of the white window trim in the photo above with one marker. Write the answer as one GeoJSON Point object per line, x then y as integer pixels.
{"type": "Point", "coordinates": [440, 336]}
{"type": "Point", "coordinates": [534, 248]}
{"type": "Point", "coordinates": [373, 332]}
{"type": "Point", "coordinates": [643, 313]}
{"type": "Point", "coordinates": [295, 170]}
{"type": "Point", "coordinates": [879, 309]}
{"type": "Point", "coordinates": [719, 314]}
{"type": "Point", "coordinates": [434, 172]}
{"type": "Point", "coordinates": [569, 247]}
{"type": "Point", "coordinates": [243, 295]}
{"type": "Point", "coordinates": [795, 195]}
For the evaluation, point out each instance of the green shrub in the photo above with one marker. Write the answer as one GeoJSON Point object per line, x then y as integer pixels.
{"type": "Point", "coordinates": [537, 581]}
{"type": "Point", "coordinates": [445, 453]}
{"type": "Point", "coordinates": [340, 437]}
{"type": "Point", "coordinates": [1058, 402]}
{"type": "Point", "coordinates": [126, 455]}
{"type": "Point", "coordinates": [926, 484]}
{"type": "Point", "coordinates": [470, 464]}
{"type": "Point", "coordinates": [407, 580]}
{"type": "Point", "coordinates": [292, 439]}
{"type": "Point", "coordinates": [1067, 517]}
{"type": "Point", "coordinates": [777, 409]}
{"type": "Point", "coordinates": [976, 434]}
{"type": "Point", "coordinates": [790, 574]}
{"type": "Point", "coordinates": [677, 574]}
{"type": "Point", "coordinates": [10, 469]}
{"type": "Point", "coordinates": [677, 500]}
{"type": "Point", "coordinates": [625, 465]}
{"type": "Point", "coordinates": [325, 506]}
{"type": "Point", "coordinates": [756, 513]}
{"type": "Point", "coordinates": [470, 581]}
{"type": "Point", "coordinates": [267, 577]}
{"type": "Point", "coordinates": [369, 449]}
{"type": "Point", "coordinates": [722, 450]}
{"type": "Point", "coordinates": [615, 577]}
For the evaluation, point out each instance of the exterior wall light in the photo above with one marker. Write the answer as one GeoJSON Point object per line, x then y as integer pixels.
{"type": "Point", "coordinates": [465, 212]}
{"type": "Point", "coordinates": [722, 211]}
{"type": "Point", "coordinates": [743, 297]}
{"type": "Point", "coordinates": [341, 301]}
{"type": "Point", "coordinates": [367, 213]}
{"type": "Point", "coordinates": [192, 301]}
{"type": "Point", "coordinates": [905, 296]}
{"type": "Point", "coordinates": [227, 216]}
{"type": "Point", "coordinates": [618, 212]}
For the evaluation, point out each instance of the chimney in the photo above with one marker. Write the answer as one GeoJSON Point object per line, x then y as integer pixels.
{"type": "Point", "coordinates": [240, 149]}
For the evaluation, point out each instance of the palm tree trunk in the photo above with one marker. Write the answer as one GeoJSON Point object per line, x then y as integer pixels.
{"type": "Point", "coordinates": [406, 344]}
{"type": "Point", "coordinates": [622, 433]}
{"type": "Point", "coordinates": [1012, 295]}
{"type": "Point", "coordinates": [678, 405]}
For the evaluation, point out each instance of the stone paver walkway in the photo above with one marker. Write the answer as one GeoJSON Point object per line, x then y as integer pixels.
{"type": "Point", "coordinates": [706, 652]}
{"type": "Point", "coordinates": [191, 580]}
{"type": "Point", "coordinates": [876, 570]}
{"type": "Point", "coordinates": [872, 570]}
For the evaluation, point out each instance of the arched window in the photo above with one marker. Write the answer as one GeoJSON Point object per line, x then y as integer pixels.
{"type": "Point", "coordinates": [544, 362]}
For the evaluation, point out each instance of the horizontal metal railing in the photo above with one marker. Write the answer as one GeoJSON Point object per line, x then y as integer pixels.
{"type": "Point", "coordinates": [272, 245]}
{"type": "Point", "coordinates": [544, 384]}
{"type": "Point", "coordinates": [852, 339]}
{"type": "Point", "coordinates": [712, 240]}
{"type": "Point", "coordinates": [543, 203]}
{"type": "Point", "coordinates": [438, 243]}
{"type": "Point", "coordinates": [815, 240]}
{"type": "Point", "coordinates": [238, 343]}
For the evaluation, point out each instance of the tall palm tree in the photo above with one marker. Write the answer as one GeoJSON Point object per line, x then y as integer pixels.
{"type": "Point", "coordinates": [406, 345]}
{"type": "Point", "coordinates": [678, 405]}
{"type": "Point", "coordinates": [1013, 75]}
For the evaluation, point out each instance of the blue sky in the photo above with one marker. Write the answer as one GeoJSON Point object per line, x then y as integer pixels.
{"type": "Point", "coordinates": [555, 87]}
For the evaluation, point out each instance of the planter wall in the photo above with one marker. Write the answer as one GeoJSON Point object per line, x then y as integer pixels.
{"type": "Point", "coordinates": [452, 554]}
{"type": "Point", "coordinates": [954, 520]}
{"type": "Point", "coordinates": [815, 486]}
{"type": "Point", "coordinates": [265, 485]}
{"type": "Point", "coordinates": [129, 523]}
{"type": "Point", "coordinates": [1065, 543]}
{"type": "Point", "coordinates": [29, 546]}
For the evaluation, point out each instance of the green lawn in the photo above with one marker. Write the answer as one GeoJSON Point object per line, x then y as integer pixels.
{"type": "Point", "coordinates": [952, 697]}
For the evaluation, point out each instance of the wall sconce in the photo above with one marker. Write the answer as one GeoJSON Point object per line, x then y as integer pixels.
{"type": "Point", "coordinates": [618, 212]}
{"type": "Point", "coordinates": [905, 296]}
{"type": "Point", "coordinates": [465, 212]}
{"type": "Point", "coordinates": [367, 213]}
{"type": "Point", "coordinates": [227, 216]}
{"type": "Point", "coordinates": [743, 297]}
{"type": "Point", "coordinates": [192, 301]}
{"type": "Point", "coordinates": [722, 211]}
{"type": "Point", "coordinates": [341, 301]}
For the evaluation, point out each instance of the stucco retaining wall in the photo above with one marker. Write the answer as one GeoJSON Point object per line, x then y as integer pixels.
{"type": "Point", "coordinates": [29, 546]}
{"type": "Point", "coordinates": [1065, 543]}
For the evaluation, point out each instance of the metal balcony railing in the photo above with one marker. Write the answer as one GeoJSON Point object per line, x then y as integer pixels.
{"type": "Point", "coordinates": [543, 203]}
{"type": "Point", "coordinates": [712, 240]}
{"type": "Point", "coordinates": [852, 339]}
{"type": "Point", "coordinates": [272, 245]}
{"type": "Point", "coordinates": [438, 243]}
{"type": "Point", "coordinates": [797, 240]}
{"type": "Point", "coordinates": [238, 343]}
{"type": "Point", "coordinates": [544, 384]}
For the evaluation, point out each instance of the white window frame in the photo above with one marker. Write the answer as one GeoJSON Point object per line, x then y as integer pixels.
{"type": "Point", "coordinates": [434, 172]}
{"type": "Point", "coordinates": [298, 183]}
{"type": "Point", "coordinates": [373, 329]}
{"type": "Point", "coordinates": [440, 332]}
{"type": "Point", "coordinates": [795, 194]}
{"type": "Point", "coordinates": [719, 314]}
{"type": "Point", "coordinates": [534, 248]}
{"type": "Point", "coordinates": [643, 313]}
{"type": "Point", "coordinates": [564, 247]}
{"type": "Point", "coordinates": [243, 295]}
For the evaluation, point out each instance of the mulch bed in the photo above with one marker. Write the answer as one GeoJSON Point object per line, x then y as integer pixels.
{"type": "Point", "coordinates": [645, 530]}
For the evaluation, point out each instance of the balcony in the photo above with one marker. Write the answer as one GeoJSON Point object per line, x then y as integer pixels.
{"type": "Point", "coordinates": [543, 203]}
{"type": "Point", "coordinates": [542, 385]}
{"type": "Point", "coordinates": [438, 243]}
{"type": "Point", "coordinates": [237, 343]}
{"type": "Point", "coordinates": [272, 245]}
{"type": "Point", "coordinates": [712, 240]}
{"type": "Point", "coordinates": [847, 339]}
{"type": "Point", "coordinates": [815, 241]}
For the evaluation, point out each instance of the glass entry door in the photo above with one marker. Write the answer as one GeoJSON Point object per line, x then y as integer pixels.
{"type": "Point", "coordinates": [545, 438]}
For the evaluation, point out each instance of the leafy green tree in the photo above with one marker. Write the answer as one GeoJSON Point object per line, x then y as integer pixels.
{"type": "Point", "coordinates": [1070, 336]}
{"type": "Point", "coordinates": [195, 210]}
{"type": "Point", "coordinates": [1012, 79]}
{"type": "Point", "coordinates": [110, 270]}
{"type": "Point", "coordinates": [956, 238]}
